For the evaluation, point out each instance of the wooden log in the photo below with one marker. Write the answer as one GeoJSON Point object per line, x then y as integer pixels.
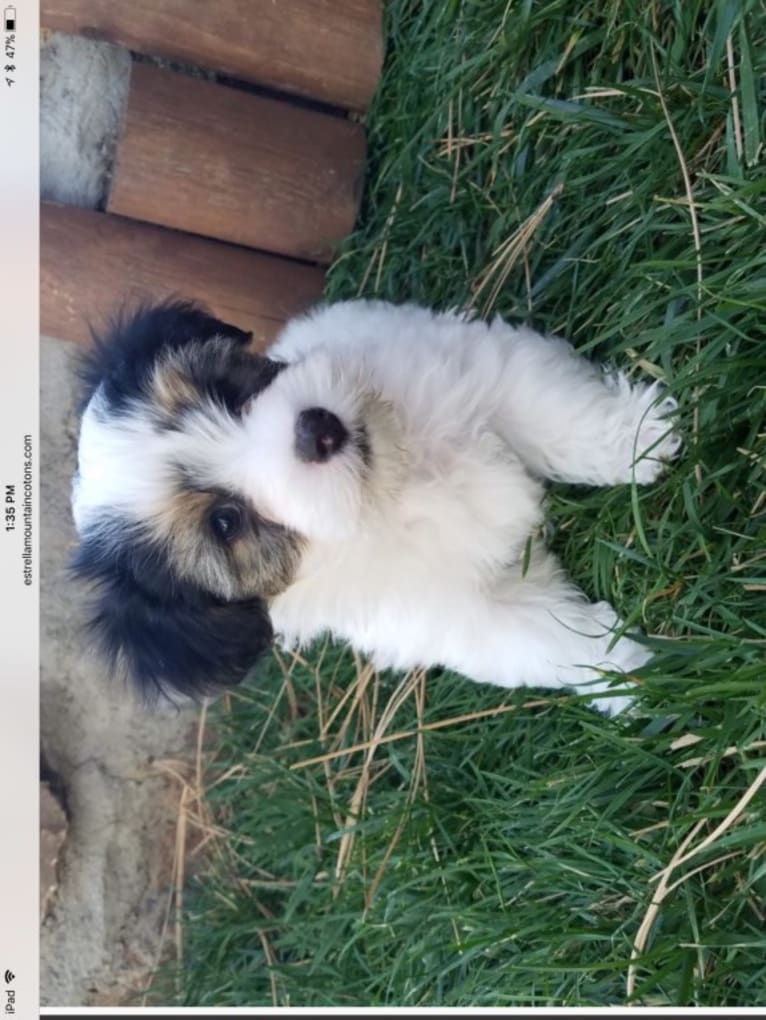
{"type": "Point", "coordinates": [91, 263]}
{"type": "Point", "coordinates": [216, 161]}
{"type": "Point", "coordinates": [330, 50]}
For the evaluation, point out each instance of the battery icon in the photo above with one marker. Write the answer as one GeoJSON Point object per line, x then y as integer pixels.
{"type": "Point", "coordinates": [9, 15]}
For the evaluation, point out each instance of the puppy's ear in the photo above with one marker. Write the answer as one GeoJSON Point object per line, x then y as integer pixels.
{"type": "Point", "coordinates": [190, 644]}
{"type": "Point", "coordinates": [122, 357]}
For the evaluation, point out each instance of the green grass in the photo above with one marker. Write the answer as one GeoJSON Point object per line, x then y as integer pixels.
{"type": "Point", "coordinates": [510, 860]}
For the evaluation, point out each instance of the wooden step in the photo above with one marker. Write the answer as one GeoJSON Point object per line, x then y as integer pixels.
{"type": "Point", "coordinates": [216, 161]}
{"type": "Point", "coordinates": [91, 263]}
{"type": "Point", "coordinates": [330, 50]}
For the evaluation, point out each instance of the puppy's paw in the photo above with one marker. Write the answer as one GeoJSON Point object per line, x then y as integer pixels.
{"type": "Point", "coordinates": [625, 656]}
{"type": "Point", "coordinates": [601, 697]}
{"type": "Point", "coordinates": [655, 440]}
{"type": "Point", "coordinates": [614, 705]}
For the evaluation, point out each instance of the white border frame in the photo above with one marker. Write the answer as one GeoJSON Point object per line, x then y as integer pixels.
{"type": "Point", "coordinates": [19, 618]}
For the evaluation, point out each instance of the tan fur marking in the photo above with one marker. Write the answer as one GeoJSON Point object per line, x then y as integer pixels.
{"type": "Point", "coordinates": [171, 387]}
{"type": "Point", "coordinates": [260, 563]}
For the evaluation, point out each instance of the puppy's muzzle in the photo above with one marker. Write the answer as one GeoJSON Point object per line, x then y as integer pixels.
{"type": "Point", "coordinates": [319, 435]}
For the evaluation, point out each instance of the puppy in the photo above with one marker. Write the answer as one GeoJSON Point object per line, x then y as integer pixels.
{"type": "Point", "coordinates": [379, 475]}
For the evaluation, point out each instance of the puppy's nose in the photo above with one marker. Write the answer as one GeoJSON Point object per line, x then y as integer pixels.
{"type": "Point", "coordinates": [319, 435]}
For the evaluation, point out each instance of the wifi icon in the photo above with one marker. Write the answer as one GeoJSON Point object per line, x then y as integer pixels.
{"type": "Point", "coordinates": [9, 976]}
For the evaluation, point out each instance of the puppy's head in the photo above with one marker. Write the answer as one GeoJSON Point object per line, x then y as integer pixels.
{"type": "Point", "coordinates": [181, 555]}
{"type": "Point", "coordinates": [205, 473]}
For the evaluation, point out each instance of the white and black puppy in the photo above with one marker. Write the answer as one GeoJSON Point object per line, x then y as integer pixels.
{"type": "Point", "coordinates": [378, 475]}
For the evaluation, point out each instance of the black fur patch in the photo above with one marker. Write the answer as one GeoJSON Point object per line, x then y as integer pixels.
{"type": "Point", "coordinates": [231, 377]}
{"type": "Point", "coordinates": [167, 634]}
{"type": "Point", "coordinates": [124, 357]}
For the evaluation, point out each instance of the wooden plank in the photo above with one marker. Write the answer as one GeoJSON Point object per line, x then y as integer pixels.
{"type": "Point", "coordinates": [330, 50]}
{"type": "Point", "coordinates": [92, 262]}
{"type": "Point", "coordinates": [216, 161]}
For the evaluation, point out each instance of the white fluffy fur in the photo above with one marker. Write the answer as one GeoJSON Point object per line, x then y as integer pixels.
{"type": "Point", "coordinates": [419, 560]}
{"type": "Point", "coordinates": [432, 570]}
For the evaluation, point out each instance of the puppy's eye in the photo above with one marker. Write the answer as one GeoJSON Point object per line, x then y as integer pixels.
{"type": "Point", "coordinates": [227, 521]}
